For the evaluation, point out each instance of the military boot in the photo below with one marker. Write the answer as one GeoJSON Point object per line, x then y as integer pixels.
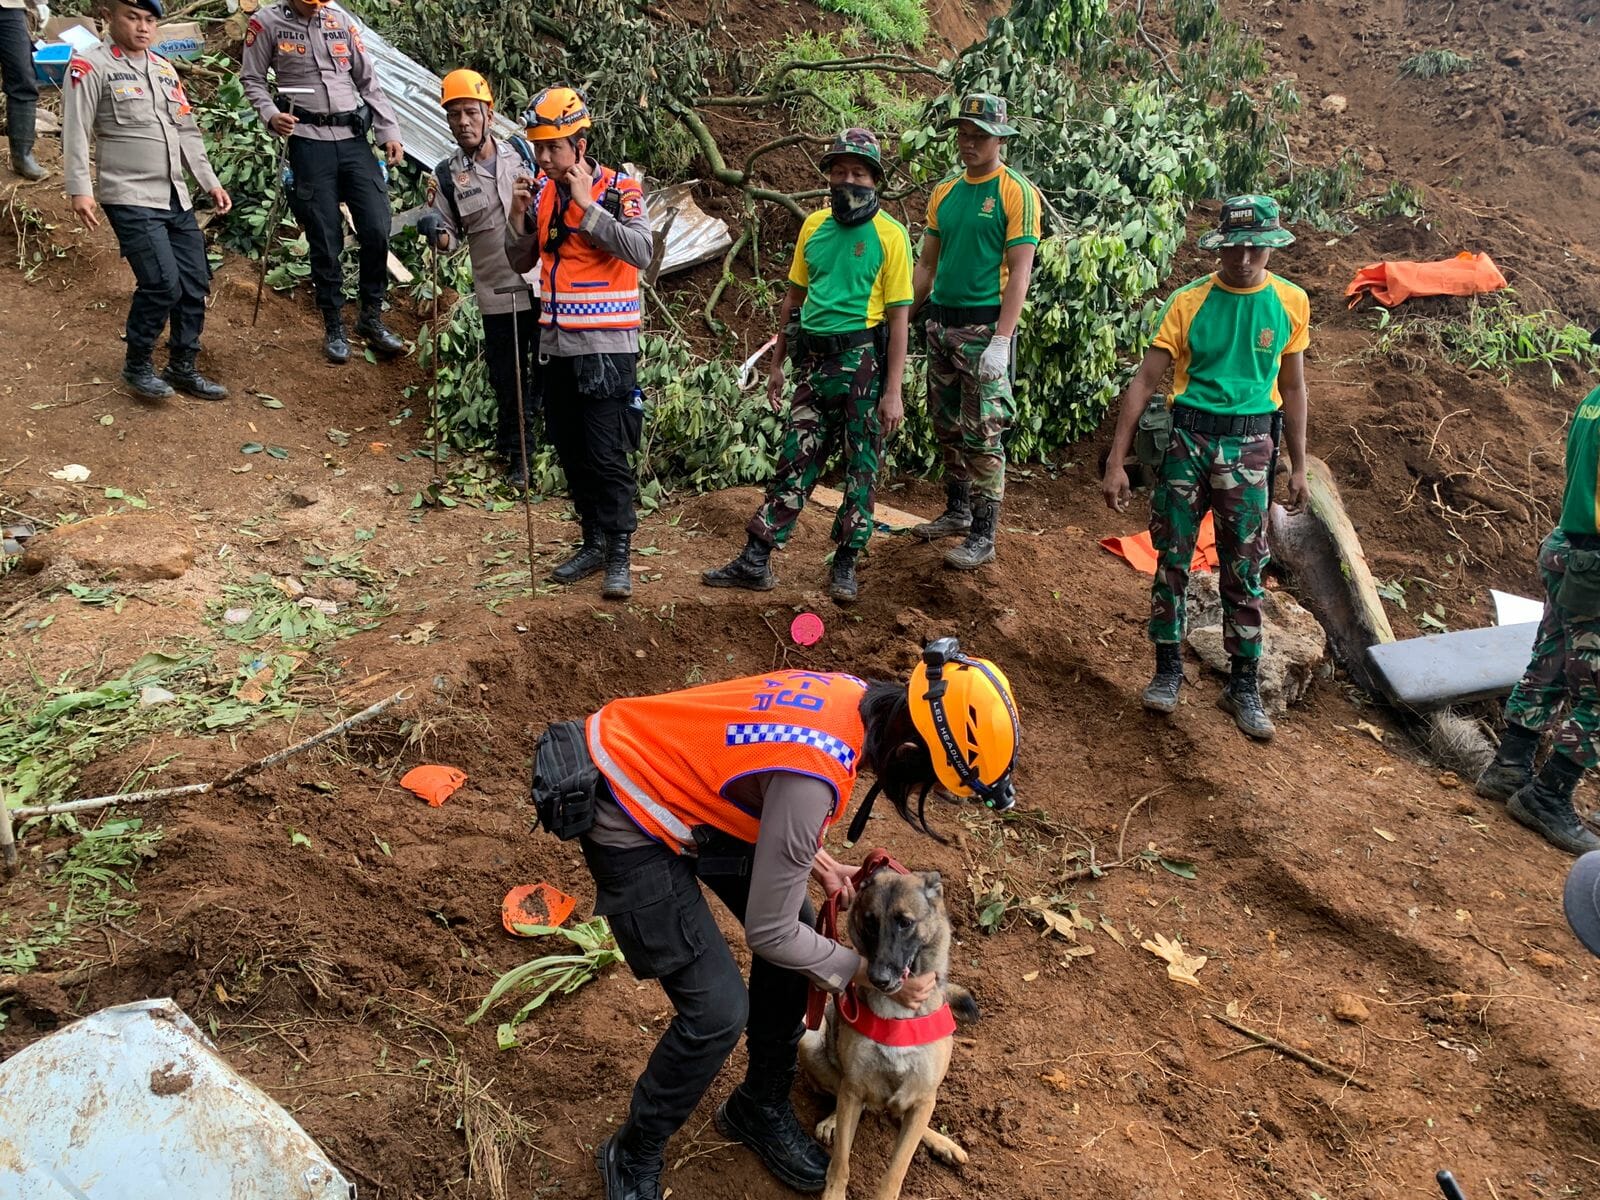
{"type": "Point", "coordinates": [630, 1166]}
{"type": "Point", "coordinates": [1242, 700]}
{"type": "Point", "coordinates": [979, 546]}
{"type": "Point", "coordinates": [585, 560]}
{"type": "Point", "coordinates": [1545, 806]}
{"type": "Point", "coordinates": [1512, 768]}
{"type": "Point", "coordinates": [957, 515]}
{"type": "Point", "coordinates": [182, 374]}
{"type": "Point", "coordinates": [140, 375]}
{"type": "Point", "coordinates": [384, 342]}
{"type": "Point", "coordinates": [760, 1115]}
{"type": "Point", "coordinates": [1162, 694]}
{"type": "Point", "coordinates": [334, 344]}
{"type": "Point", "coordinates": [21, 121]}
{"type": "Point", "coordinates": [751, 570]}
{"type": "Point", "coordinates": [842, 586]}
{"type": "Point", "coordinates": [618, 583]}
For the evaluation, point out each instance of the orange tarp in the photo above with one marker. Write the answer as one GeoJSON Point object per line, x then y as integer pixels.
{"type": "Point", "coordinates": [1141, 555]}
{"type": "Point", "coordinates": [1392, 282]}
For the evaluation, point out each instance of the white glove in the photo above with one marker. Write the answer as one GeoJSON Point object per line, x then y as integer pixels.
{"type": "Point", "coordinates": [996, 360]}
{"type": "Point", "coordinates": [41, 15]}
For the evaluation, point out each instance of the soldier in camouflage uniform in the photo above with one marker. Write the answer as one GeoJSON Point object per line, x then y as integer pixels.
{"type": "Point", "coordinates": [851, 288]}
{"type": "Point", "coordinates": [976, 260]}
{"type": "Point", "coordinates": [1565, 669]}
{"type": "Point", "coordinates": [1235, 341]}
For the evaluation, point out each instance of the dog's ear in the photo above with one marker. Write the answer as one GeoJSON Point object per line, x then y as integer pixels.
{"type": "Point", "coordinates": [932, 885]}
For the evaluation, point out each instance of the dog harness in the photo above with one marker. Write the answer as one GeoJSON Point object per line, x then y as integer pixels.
{"type": "Point", "coordinates": [886, 1031]}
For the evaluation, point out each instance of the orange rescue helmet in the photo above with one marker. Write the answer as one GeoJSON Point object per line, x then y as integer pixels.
{"type": "Point", "coordinates": [462, 84]}
{"type": "Point", "coordinates": [556, 112]}
{"type": "Point", "coordinates": [964, 710]}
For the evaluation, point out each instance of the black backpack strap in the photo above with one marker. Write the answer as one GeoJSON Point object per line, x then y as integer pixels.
{"type": "Point", "coordinates": [445, 181]}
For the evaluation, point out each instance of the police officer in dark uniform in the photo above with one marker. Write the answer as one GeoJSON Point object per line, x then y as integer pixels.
{"type": "Point", "coordinates": [331, 98]}
{"type": "Point", "coordinates": [132, 101]}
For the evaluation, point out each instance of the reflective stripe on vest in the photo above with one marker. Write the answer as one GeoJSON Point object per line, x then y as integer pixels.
{"type": "Point", "coordinates": [631, 790]}
{"type": "Point", "coordinates": [674, 760]}
{"type": "Point", "coordinates": [585, 287]}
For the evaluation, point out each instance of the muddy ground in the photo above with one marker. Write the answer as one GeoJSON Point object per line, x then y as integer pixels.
{"type": "Point", "coordinates": [1351, 900]}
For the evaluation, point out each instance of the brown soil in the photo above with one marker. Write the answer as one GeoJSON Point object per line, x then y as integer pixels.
{"type": "Point", "coordinates": [337, 975]}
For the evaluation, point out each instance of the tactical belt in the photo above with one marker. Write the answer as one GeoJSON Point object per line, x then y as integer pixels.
{"type": "Point", "coordinates": [344, 120]}
{"type": "Point", "coordinates": [1584, 541]}
{"type": "Point", "coordinates": [959, 318]}
{"type": "Point", "coordinates": [826, 345]}
{"type": "Point", "coordinates": [1217, 425]}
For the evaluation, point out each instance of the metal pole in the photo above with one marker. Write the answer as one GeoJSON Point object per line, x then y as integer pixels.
{"type": "Point", "coordinates": [275, 213]}
{"type": "Point", "coordinates": [433, 382]}
{"type": "Point", "coordinates": [522, 423]}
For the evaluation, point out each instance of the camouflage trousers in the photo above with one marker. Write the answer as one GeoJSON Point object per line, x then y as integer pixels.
{"type": "Point", "coordinates": [835, 400]}
{"type": "Point", "coordinates": [969, 417]}
{"type": "Point", "coordinates": [1564, 670]}
{"type": "Point", "coordinates": [1227, 475]}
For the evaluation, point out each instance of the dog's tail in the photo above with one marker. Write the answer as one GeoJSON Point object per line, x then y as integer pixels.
{"type": "Point", "coordinates": [961, 1004]}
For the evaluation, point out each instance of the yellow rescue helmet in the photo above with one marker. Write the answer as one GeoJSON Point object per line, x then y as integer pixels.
{"type": "Point", "coordinates": [556, 112]}
{"type": "Point", "coordinates": [964, 710]}
{"type": "Point", "coordinates": [462, 84]}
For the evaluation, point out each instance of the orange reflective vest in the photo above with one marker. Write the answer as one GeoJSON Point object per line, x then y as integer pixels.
{"type": "Point", "coordinates": [584, 286]}
{"type": "Point", "coordinates": [671, 759]}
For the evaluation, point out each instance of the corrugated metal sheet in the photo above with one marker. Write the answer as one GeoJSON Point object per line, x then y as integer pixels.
{"type": "Point", "coordinates": [414, 91]}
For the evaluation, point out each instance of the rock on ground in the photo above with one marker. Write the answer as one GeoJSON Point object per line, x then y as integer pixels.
{"type": "Point", "coordinates": [132, 546]}
{"type": "Point", "coordinates": [1294, 646]}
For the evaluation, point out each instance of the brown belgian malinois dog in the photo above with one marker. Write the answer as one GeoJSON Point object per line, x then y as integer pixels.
{"type": "Point", "coordinates": [899, 925]}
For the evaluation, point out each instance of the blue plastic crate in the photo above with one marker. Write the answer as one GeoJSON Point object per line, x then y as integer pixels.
{"type": "Point", "coordinates": [50, 63]}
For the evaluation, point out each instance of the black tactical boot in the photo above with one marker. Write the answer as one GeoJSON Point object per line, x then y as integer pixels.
{"type": "Point", "coordinates": [384, 343]}
{"type": "Point", "coordinates": [1512, 768]}
{"type": "Point", "coordinates": [751, 570]}
{"type": "Point", "coordinates": [1162, 694]}
{"type": "Point", "coordinates": [585, 560]}
{"type": "Point", "coordinates": [21, 121]}
{"type": "Point", "coordinates": [957, 515]}
{"type": "Point", "coordinates": [1242, 699]}
{"type": "Point", "coordinates": [140, 376]}
{"type": "Point", "coordinates": [1545, 806]}
{"type": "Point", "coordinates": [630, 1166]}
{"type": "Point", "coordinates": [181, 373]}
{"type": "Point", "coordinates": [979, 546]}
{"type": "Point", "coordinates": [618, 583]}
{"type": "Point", "coordinates": [842, 587]}
{"type": "Point", "coordinates": [760, 1115]}
{"type": "Point", "coordinates": [516, 477]}
{"type": "Point", "coordinates": [334, 344]}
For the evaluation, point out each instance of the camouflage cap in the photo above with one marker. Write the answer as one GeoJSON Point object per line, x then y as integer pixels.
{"type": "Point", "coordinates": [1248, 221]}
{"type": "Point", "coordinates": [862, 143]}
{"type": "Point", "coordinates": [985, 111]}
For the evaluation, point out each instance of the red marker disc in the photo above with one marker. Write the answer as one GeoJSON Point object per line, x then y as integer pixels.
{"type": "Point", "coordinates": [806, 629]}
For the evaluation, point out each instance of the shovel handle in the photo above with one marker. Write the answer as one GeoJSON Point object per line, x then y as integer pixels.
{"type": "Point", "coordinates": [1449, 1186]}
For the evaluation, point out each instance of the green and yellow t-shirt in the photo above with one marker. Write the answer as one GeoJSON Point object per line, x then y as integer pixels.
{"type": "Point", "coordinates": [851, 273]}
{"type": "Point", "coordinates": [1226, 344]}
{"type": "Point", "coordinates": [1578, 505]}
{"type": "Point", "coordinates": [976, 222]}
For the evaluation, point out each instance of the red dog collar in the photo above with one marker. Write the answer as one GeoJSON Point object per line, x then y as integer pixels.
{"type": "Point", "coordinates": [895, 1031]}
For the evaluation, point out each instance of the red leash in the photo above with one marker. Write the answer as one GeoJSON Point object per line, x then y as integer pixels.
{"type": "Point", "coordinates": [901, 1031]}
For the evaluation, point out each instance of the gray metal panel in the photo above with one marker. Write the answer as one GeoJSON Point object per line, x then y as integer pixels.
{"type": "Point", "coordinates": [1454, 668]}
{"type": "Point", "coordinates": [414, 92]}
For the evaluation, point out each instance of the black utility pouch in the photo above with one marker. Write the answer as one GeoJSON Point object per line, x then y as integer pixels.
{"type": "Point", "coordinates": [565, 781]}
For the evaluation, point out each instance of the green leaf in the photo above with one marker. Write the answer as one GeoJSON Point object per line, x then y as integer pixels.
{"type": "Point", "coordinates": [270, 402]}
{"type": "Point", "coordinates": [251, 448]}
{"type": "Point", "coordinates": [277, 452]}
{"type": "Point", "coordinates": [1179, 867]}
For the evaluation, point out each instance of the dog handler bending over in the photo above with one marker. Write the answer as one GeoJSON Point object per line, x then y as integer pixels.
{"type": "Point", "coordinates": [733, 785]}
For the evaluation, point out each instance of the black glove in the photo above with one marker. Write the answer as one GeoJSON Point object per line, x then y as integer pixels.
{"type": "Point", "coordinates": [431, 227]}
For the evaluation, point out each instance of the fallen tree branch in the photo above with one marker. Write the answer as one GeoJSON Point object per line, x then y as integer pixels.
{"type": "Point", "coordinates": [1300, 1056]}
{"type": "Point", "coordinates": [728, 259]}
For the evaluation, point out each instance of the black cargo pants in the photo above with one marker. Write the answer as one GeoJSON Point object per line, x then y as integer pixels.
{"type": "Point", "coordinates": [504, 354]}
{"type": "Point", "coordinates": [595, 423]}
{"type": "Point", "coordinates": [16, 58]}
{"type": "Point", "coordinates": [327, 174]}
{"type": "Point", "coordinates": [664, 927]}
{"type": "Point", "coordinates": [167, 252]}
